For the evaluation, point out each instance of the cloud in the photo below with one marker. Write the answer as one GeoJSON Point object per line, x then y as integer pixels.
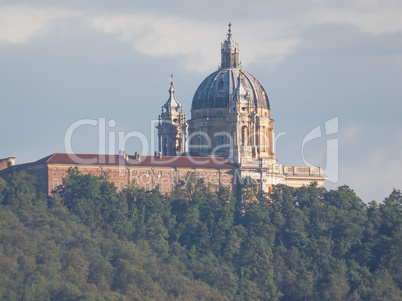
{"type": "Point", "coordinates": [374, 17]}
{"type": "Point", "coordinates": [19, 23]}
{"type": "Point", "coordinates": [162, 36]}
{"type": "Point", "coordinates": [194, 41]}
{"type": "Point", "coordinates": [267, 40]}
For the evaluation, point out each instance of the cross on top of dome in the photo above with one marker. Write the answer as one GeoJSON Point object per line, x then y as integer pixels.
{"type": "Point", "coordinates": [230, 30]}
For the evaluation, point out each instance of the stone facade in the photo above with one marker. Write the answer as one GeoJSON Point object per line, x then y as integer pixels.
{"type": "Point", "coordinates": [149, 172]}
{"type": "Point", "coordinates": [163, 172]}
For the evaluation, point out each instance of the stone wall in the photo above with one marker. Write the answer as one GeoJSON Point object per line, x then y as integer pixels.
{"type": "Point", "coordinates": [148, 177]}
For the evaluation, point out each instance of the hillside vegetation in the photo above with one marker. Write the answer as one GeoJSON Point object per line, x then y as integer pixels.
{"type": "Point", "coordinates": [90, 242]}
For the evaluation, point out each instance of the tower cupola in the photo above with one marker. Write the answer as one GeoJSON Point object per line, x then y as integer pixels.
{"type": "Point", "coordinates": [230, 52]}
{"type": "Point", "coordinates": [172, 126]}
{"type": "Point", "coordinates": [172, 105]}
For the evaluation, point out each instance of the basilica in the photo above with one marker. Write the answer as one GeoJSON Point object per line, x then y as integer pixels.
{"type": "Point", "coordinates": [230, 118]}
{"type": "Point", "coordinates": [228, 138]}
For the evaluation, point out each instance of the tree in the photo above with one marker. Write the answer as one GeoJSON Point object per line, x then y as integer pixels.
{"type": "Point", "coordinates": [90, 242]}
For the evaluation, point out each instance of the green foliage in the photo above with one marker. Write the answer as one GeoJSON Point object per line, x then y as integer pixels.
{"type": "Point", "coordinates": [90, 242]}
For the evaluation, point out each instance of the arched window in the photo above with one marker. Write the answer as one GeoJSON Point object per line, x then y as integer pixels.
{"type": "Point", "coordinates": [234, 135]}
{"type": "Point", "coordinates": [174, 148]}
{"type": "Point", "coordinates": [268, 143]}
{"type": "Point", "coordinates": [165, 148]}
{"type": "Point", "coordinates": [244, 135]}
{"type": "Point", "coordinates": [263, 138]}
{"type": "Point", "coordinates": [219, 138]}
{"type": "Point", "coordinates": [258, 140]}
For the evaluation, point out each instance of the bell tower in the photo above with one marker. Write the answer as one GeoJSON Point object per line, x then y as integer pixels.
{"type": "Point", "coordinates": [172, 126]}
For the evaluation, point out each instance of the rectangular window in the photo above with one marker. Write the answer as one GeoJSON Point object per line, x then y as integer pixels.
{"type": "Point", "coordinates": [159, 174]}
{"type": "Point", "coordinates": [121, 186]}
{"type": "Point", "coordinates": [147, 173]}
{"type": "Point", "coordinates": [55, 184]}
{"type": "Point", "coordinates": [147, 186]}
{"type": "Point", "coordinates": [171, 187]}
{"type": "Point", "coordinates": [215, 188]}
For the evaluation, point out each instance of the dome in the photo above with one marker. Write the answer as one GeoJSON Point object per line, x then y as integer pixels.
{"type": "Point", "coordinates": [230, 113]}
{"type": "Point", "coordinates": [230, 82]}
{"type": "Point", "coordinates": [224, 85]}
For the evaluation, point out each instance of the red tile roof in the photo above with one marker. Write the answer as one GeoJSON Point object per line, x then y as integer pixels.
{"type": "Point", "coordinates": [165, 161]}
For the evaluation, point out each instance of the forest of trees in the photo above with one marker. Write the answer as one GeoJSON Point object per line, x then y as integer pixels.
{"type": "Point", "coordinates": [90, 242]}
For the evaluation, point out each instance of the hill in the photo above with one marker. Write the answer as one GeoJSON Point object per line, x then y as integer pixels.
{"type": "Point", "coordinates": [90, 242]}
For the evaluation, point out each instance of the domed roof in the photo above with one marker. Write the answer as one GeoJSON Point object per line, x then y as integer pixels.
{"type": "Point", "coordinates": [229, 82]}
{"type": "Point", "coordinates": [172, 101]}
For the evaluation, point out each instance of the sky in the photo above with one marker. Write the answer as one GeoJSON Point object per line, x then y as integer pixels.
{"type": "Point", "coordinates": [332, 71]}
